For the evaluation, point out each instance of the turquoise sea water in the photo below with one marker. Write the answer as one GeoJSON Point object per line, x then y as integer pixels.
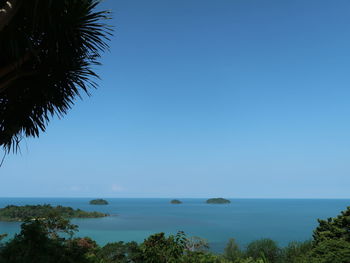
{"type": "Point", "coordinates": [283, 220]}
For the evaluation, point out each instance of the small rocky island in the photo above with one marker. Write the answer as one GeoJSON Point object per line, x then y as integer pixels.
{"type": "Point", "coordinates": [175, 202]}
{"type": "Point", "coordinates": [13, 213]}
{"type": "Point", "coordinates": [218, 201]}
{"type": "Point", "coordinates": [98, 202]}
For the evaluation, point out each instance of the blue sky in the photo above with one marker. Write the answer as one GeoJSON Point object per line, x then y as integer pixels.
{"type": "Point", "coordinates": [201, 98]}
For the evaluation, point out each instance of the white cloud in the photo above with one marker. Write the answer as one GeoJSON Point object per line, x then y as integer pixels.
{"type": "Point", "coordinates": [74, 188]}
{"type": "Point", "coordinates": [116, 188]}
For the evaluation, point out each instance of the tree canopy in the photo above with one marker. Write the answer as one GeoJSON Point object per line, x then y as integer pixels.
{"type": "Point", "coordinates": [98, 202]}
{"type": "Point", "coordinates": [218, 200]}
{"type": "Point", "coordinates": [21, 213]}
{"type": "Point", "coordinates": [175, 202]}
{"type": "Point", "coordinates": [48, 51]}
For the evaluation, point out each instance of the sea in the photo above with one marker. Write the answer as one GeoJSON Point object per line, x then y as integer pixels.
{"type": "Point", "coordinates": [245, 220]}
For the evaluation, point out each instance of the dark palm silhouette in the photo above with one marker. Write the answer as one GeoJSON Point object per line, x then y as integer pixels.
{"type": "Point", "coordinates": [48, 49]}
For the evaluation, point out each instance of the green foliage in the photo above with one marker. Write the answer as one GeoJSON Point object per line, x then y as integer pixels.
{"type": "Point", "coordinates": [34, 245]}
{"type": "Point", "coordinates": [332, 240]}
{"type": "Point", "coordinates": [55, 225]}
{"type": "Point", "coordinates": [250, 260]}
{"type": "Point", "coordinates": [263, 248]}
{"type": "Point", "coordinates": [296, 252]}
{"type": "Point", "coordinates": [21, 213]}
{"type": "Point", "coordinates": [161, 249]}
{"type": "Point", "coordinates": [175, 202]}
{"type": "Point", "coordinates": [120, 252]}
{"type": "Point", "coordinates": [232, 251]}
{"type": "Point", "coordinates": [98, 202]}
{"type": "Point", "coordinates": [218, 201]}
{"type": "Point", "coordinates": [201, 257]}
{"type": "Point", "coordinates": [331, 251]}
{"type": "Point", "coordinates": [334, 228]}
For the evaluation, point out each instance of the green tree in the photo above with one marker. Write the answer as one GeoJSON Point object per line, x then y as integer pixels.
{"type": "Point", "coordinates": [201, 257]}
{"type": "Point", "coordinates": [84, 246]}
{"type": "Point", "coordinates": [48, 51]}
{"type": "Point", "coordinates": [296, 252]}
{"type": "Point", "coordinates": [113, 253]}
{"type": "Point", "coordinates": [332, 240]}
{"type": "Point", "coordinates": [334, 228]}
{"type": "Point", "coordinates": [55, 225]}
{"type": "Point", "coordinates": [232, 251]}
{"type": "Point", "coordinates": [42, 241]}
{"type": "Point", "coordinates": [34, 245]}
{"type": "Point", "coordinates": [263, 248]}
{"type": "Point", "coordinates": [330, 251]}
{"type": "Point", "coordinates": [161, 249]}
{"type": "Point", "coordinates": [120, 252]}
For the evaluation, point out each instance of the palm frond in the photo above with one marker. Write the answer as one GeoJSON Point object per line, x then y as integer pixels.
{"type": "Point", "coordinates": [48, 52]}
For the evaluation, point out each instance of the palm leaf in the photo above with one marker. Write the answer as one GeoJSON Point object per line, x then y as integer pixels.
{"type": "Point", "coordinates": [48, 51]}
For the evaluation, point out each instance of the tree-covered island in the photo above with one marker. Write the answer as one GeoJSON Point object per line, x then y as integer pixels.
{"type": "Point", "coordinates": [22, 213]}
{"type": "Point", "coordinates": [175, 202]}
{"type": "Point", "coordinates": [218, 201]}
{"type": "Point", "coordinates": [98, 202]}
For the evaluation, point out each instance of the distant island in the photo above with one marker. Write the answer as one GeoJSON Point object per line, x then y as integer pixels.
{"type": "Point", "coordinates": [21, 213]}
{"type": "Point", "coordinates": [98, 202]}
{"type": "Point", "coordinates": [218, 201]}
{"type": "Point", "coordinates": [175, 202]}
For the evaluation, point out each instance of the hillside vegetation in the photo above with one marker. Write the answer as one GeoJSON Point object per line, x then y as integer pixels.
{"type": "Point", "coordinates": [218, 200]}
{"type": "Point", "coordinates": [98, 202]}
{"type": "Point", "coordinates": [21, 213]}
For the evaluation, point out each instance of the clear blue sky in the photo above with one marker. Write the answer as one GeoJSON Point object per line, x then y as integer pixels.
{"type": "Point", "coordinates": [201, 98]}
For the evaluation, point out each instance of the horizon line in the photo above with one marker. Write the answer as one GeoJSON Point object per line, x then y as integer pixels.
{"type": "Point", "coordinates": [269, 198]}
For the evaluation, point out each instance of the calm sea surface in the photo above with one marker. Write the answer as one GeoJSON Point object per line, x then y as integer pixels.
{"type": "Point", "coordinates": [283, 220]}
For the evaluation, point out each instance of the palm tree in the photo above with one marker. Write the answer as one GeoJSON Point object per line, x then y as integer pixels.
{"type": "Point", "coordinates": [47, 51]}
